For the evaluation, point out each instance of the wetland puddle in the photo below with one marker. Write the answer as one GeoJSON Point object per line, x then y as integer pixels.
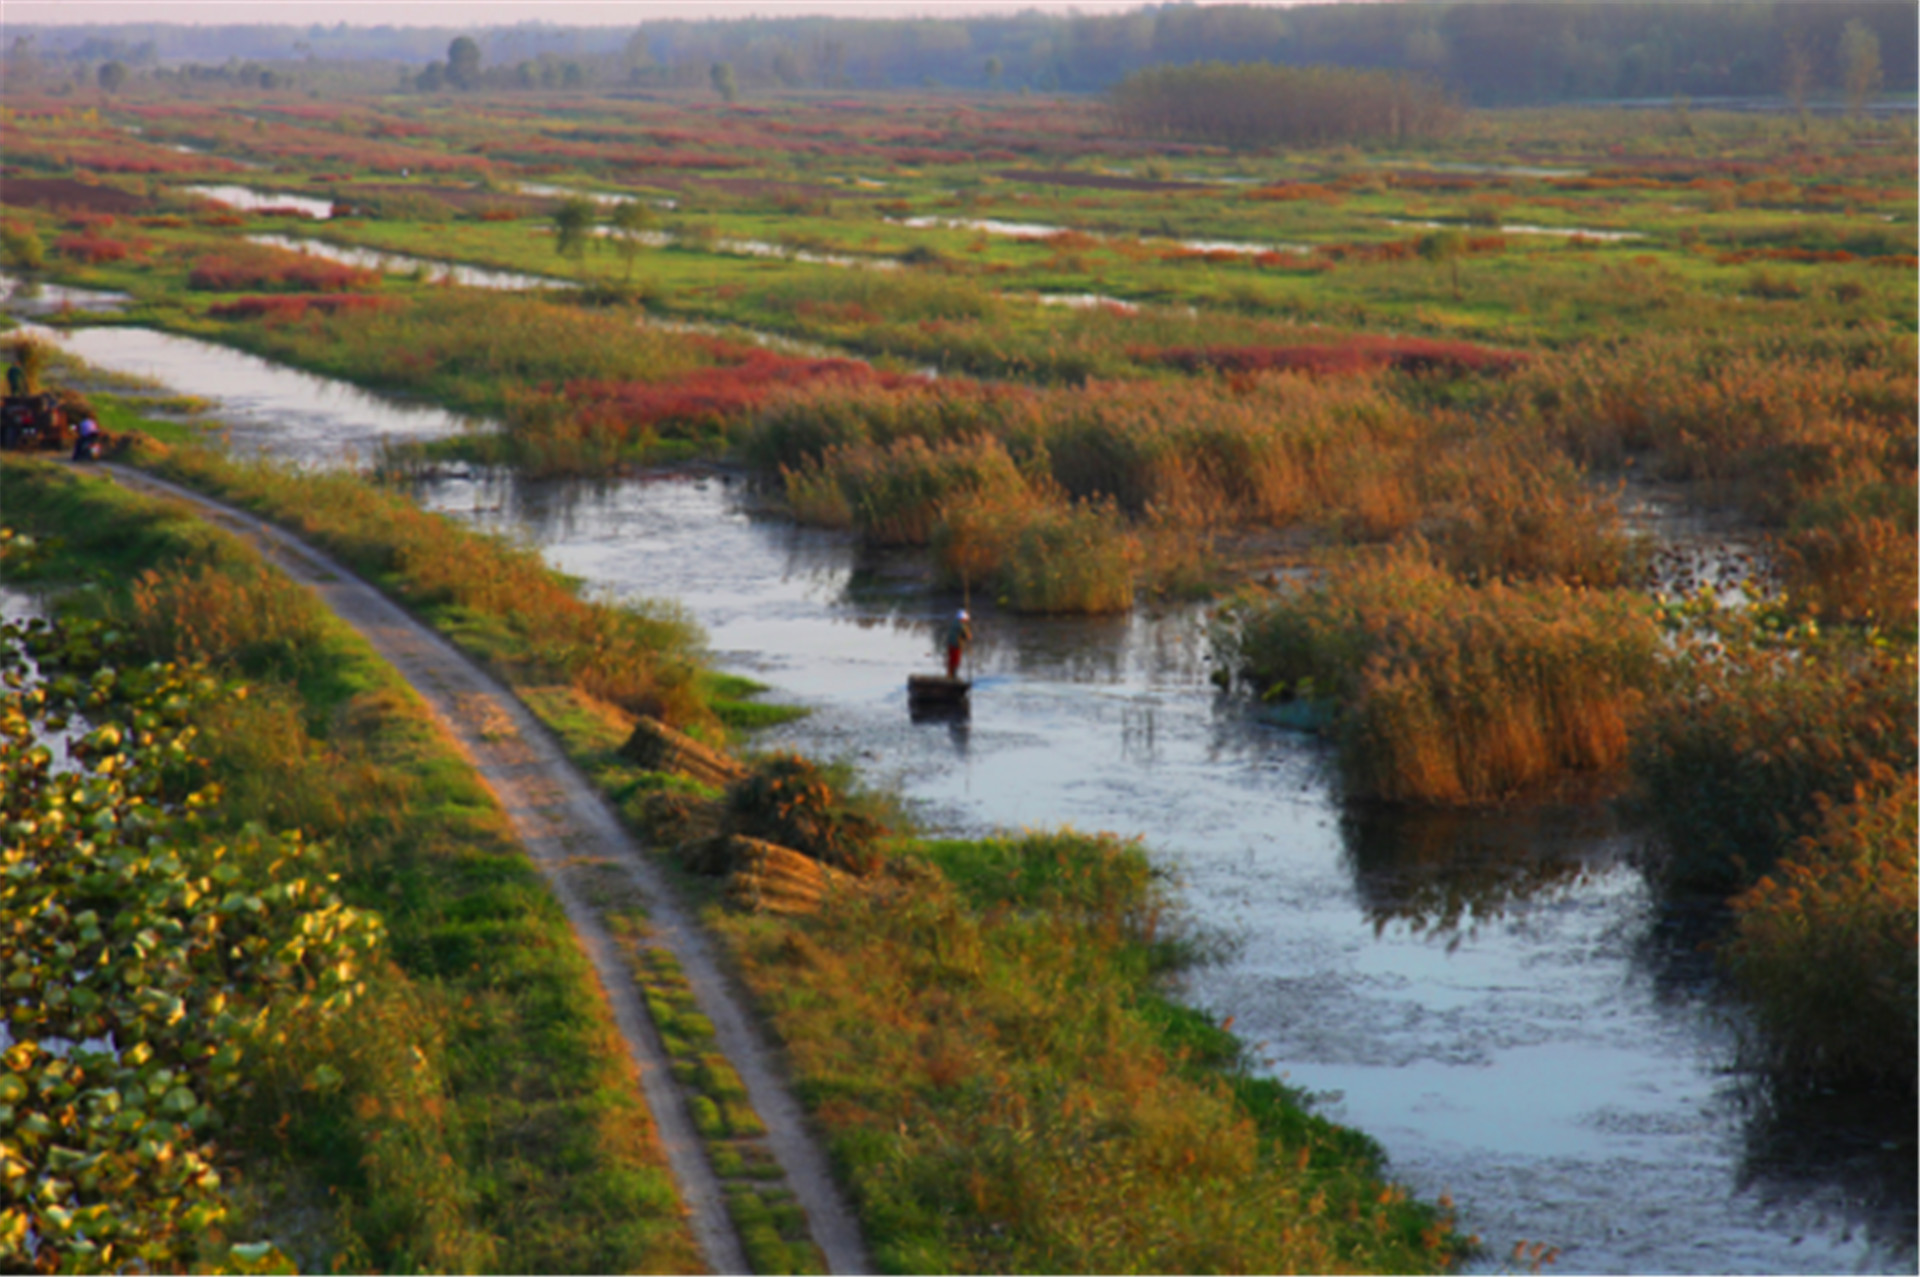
{"type": "Point", "coordinates": [1495, 996]}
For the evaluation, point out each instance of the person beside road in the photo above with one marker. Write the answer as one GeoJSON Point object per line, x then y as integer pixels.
{"type": "Point", "coordinates": [958, 635]}
{"type": "Point", "coordinates": [19, 382]}
{"type": "Point", "coordinates": [86, 444]}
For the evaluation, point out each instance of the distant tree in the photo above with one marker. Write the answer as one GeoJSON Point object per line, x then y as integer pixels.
{"type": "Point", "coordinates": [1796, 71]}
{"type": "Point", "coordinates": [786, 69]}
{"type": "Point", "coordinates": [994, 71]}
{"type": "Point", "coordinates": [1445, 248]}
{"type": "Point", "coordinates": [433, 78]}
{"type": "Point", "coordinates": [1859, 64]}
{"type": "Point", "coordinates": [1259, 104]}
{"type": "Point", "coordinates": [628, 223]}
{"type": "Point", "coordinates": [572, 75]}
{"type": "Point", "coordinates": [463, 63]}
{"type": "Point", "coordinates": [114, 74]}
{"type": "Point", "coordinates": [724, 81]}
{"type": "Point", "coordinates": [639, 52]}
{"type": "Point", "coordinates": [573, 228]}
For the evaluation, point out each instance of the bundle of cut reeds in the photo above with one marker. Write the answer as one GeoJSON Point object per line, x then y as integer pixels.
{"type": "Point", "coordinates": [774, 879]}
{"type": "Point", "coordinates": [657, 747]}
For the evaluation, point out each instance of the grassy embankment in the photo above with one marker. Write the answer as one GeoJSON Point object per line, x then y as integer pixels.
{"type": "Point", "coordinates": [472, 1109]}
{"type": "Point", "coordinates": [1037, 1051]}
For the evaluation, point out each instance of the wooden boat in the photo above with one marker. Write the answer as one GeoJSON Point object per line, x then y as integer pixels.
{"type": "Point", "coordinates": [928, 690]}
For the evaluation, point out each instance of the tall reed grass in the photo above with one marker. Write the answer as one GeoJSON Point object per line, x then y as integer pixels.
{"type": "Point", "coordinates": [1448, 693]}
{"type": "Point", "coordinates": [1824, 944]}
{"type": "Point", "coordinates": [1765, 726]}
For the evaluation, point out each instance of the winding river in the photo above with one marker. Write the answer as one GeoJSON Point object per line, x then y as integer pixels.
{"type": "Point", "coordinates": [1496, 997]}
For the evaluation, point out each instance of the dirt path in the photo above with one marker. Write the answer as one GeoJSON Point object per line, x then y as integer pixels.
{"type": "Point", "coordinates": [570, 834]}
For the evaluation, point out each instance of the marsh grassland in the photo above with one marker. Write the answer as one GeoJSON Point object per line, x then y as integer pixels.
{"type": "Point", "coordinates": [1396, 402]}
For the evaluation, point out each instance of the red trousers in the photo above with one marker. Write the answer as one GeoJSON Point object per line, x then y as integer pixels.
{"type": "Point", "coordinates": [953, 660]}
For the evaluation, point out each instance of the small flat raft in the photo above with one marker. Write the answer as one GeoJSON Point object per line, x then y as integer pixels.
{"type": "Point", "coordinates": [925, 691]}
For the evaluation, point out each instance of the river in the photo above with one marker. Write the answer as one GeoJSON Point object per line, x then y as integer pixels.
{"type": "Point", "coordinates": [1496, 997]}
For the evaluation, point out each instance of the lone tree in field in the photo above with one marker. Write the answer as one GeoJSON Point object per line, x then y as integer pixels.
{"type": "Point", "coordinates": [628, 223]}
{"type": "Point", "coordinates": [114, 74]}
{"type": "Point", "coordinates": [1445, 248]}
{"type": "Point", "coordinates": [463, 63]}
{"type": "Point", "coordinates": [724, 81]}
{"type": "Point", "coordinates": [573, 228]}
{"type": "Point", "coordinates": [1859, 64]}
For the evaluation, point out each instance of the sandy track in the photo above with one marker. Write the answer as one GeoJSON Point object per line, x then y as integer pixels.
{"type": "Point", "coordinates": [569, 832]}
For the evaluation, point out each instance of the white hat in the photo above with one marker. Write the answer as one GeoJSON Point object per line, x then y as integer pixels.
{"type": "Point", "coordinates": [964, 616]}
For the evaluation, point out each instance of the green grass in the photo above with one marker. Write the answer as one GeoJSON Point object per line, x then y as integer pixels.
{"type": "Point", "coordinates": [526, 1150]}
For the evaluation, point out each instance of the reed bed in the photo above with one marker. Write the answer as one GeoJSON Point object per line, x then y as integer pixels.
{"type": "Point", "coordinates": [1447, 693]}
{"type": "Point", "coordinates": [1769, 423]}
{"type": "Point", "coordinates": [1767, 724]}
{"type": "Point", "coordinates": [1166, 464]}
{"type": "Point", "coordinates": [1824, 945]}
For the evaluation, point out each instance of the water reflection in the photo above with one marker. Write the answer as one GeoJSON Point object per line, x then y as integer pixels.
{"type": "Point", "coordinates": [1848, 1157]}
{"type": "Point", "coordinates": [1450, 872]}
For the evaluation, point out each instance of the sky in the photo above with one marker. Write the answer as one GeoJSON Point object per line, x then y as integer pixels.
{"type": "Point", "coordinates": [467, 13]}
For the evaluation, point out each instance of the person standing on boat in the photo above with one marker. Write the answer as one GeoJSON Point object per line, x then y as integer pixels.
{"type": "Point", "coordinates": [959, 634]}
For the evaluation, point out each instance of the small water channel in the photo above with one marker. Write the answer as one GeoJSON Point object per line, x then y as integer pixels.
{"type": "Point", "coordinates": [253, 201]}
{"type": "Point", "coordinates": [268, 409]}
{"type": "Point", "coordinates": [406, 264]}
{"type": "Point", "coordinates": [1496, 996]}
{"type": "Point", "coordinates": [1040, 230]}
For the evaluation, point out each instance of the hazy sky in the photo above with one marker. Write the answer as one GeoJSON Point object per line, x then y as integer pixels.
{"type": "Point", "coordinates": [473, 13]}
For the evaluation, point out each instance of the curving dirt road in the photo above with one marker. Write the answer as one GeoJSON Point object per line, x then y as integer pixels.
{"type": "Point", "coordinates": [570, 834]}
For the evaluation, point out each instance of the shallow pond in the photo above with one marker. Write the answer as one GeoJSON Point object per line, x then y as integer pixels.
{"type": "Point", "coordinates": [1495, 997]}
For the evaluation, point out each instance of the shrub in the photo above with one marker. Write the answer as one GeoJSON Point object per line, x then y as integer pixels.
{"type": "Point", "coordinates": [793, 801]}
